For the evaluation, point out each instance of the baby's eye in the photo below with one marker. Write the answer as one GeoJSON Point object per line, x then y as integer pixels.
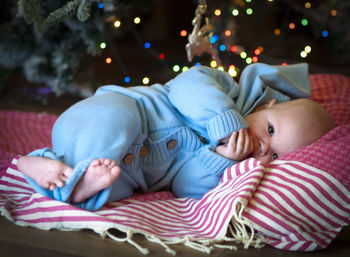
{"type": "Point", "coordinates": [271, 130]}
{"type": "Point", "coordinates": [274, 156]}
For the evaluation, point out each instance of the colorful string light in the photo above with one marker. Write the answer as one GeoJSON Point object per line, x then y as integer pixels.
{"type": "Point", "coordinates": [225, 45]}
{"type": "Point", "coordinates": [307, 49]}
{"type": "Point", "coordinates": [145, 80]}
{"type": "Point", "coordinates": [217, 12]}
{"type": "Point", "coordinates": [334, 12]}
{"type": "Point", "coordinates": [176, 68]}
{"type": "Point", "coordinates": [183, 33]}
{"type": "Point", "coordinates": [235, 12]}
{"type": "Point", "coordinates": [221, 68]}
{"type": "Point", "coordinates": [147, 45]}
{"type": "Point", "coordinates": [137, 20]}
{"type": "Point", "coordinates": [243, 55]}
{"type": "Point", "coordinates": [232, 71]}
{"type": "Point", "coordinates": [304, 22]}
{"type": "Point", "coordinates": [103, 45]}
{"type": "Point", "coordinates": [117, 23]}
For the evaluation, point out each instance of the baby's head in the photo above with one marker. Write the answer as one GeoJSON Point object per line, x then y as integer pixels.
{"type": "Point", "coordinates": [278, 129]}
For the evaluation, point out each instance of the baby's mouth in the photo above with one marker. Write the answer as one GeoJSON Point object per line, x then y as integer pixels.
{"type": "Point", "coordinates": [256, 148]}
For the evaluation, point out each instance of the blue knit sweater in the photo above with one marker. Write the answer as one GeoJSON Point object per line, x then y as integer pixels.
{"type": "Point", "coordinates": [164, 136]}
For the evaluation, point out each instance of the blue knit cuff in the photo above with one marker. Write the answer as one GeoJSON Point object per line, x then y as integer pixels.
{"type": "Point", "coordinates": [215, 163]}
{"type": "Point", "coordinates": [224, 124]}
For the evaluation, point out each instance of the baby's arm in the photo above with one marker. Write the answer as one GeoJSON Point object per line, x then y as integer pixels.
{"type": "Point", "coordinates": [236, 147]}
{"type": "Point", "coordinates": [206, 99]}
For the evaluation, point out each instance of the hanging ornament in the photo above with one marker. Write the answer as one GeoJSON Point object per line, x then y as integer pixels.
{"type": "Point", "coordinates": [199, 39]}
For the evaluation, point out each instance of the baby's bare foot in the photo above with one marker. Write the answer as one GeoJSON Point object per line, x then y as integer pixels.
{"type": "Point", "coordinates": [45, 172]}
{"type": "Point", "coordinates": [100, 174]}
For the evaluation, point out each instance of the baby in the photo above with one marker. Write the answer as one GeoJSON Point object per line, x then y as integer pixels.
{"type": "Point", "coordinates": [275, 130]}
{"type": "Point", "coordinates": [179, 136]}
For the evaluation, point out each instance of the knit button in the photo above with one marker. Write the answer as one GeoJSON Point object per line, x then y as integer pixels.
{"type": "Point", "coordinates": [143, 151]}
{"type": "Point", "coordinates": [203, 140]}
{"type": "Point", "coordinates": [171, 144]}
{"type": "Point", "coordinates": [128, 159]}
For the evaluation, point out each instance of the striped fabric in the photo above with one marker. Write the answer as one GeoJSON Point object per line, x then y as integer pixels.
{"type": "Point", "coordinates": [293, 205]}
{"type": "Point", "coordinates": [298, 203]}
{"type": "Point", "coordinates": [298, 207]}
{"type": "Point", "coordinates": [159, 216]}
{"type": "Point", "coordinates": [302, 205]}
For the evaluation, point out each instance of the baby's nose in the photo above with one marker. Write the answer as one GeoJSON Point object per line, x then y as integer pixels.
{"type": "Point", "coordinates": [264, 148]}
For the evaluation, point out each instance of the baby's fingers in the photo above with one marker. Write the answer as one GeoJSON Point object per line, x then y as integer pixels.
{"type": "Point", "coordinates": [241, 140]}
{"type": "Point", "coordinates": [244, 144]}
{"type": "Point", "coordinates": [248, 144]}
{"type": "Point", "coordinates": [232, 143]}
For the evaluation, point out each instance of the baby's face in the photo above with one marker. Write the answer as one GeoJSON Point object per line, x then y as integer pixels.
{"type": "Point", "coordinates": [276, 132]}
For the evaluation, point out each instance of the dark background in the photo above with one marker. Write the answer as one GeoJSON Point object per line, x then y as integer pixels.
{"type": "Point", "coordinates": [161, 25]}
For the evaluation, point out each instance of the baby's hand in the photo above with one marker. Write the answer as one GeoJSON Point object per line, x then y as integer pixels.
{"type": "Point", "coordinates": [239, 146]}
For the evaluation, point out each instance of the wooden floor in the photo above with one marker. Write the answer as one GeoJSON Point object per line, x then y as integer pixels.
{"type": "Point", "coordinates": [18, 241]}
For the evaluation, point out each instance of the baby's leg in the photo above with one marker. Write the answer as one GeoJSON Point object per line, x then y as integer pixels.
{"type": "Point", "coordinates": [100, 174]}
{"type": "Point", "coordinates": [46, 172]}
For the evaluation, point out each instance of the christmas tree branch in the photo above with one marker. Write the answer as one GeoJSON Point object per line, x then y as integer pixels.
{"type": "Point", "coordinates": [62, 13]}
{"type": "Point", "coordinates": [33, 12]}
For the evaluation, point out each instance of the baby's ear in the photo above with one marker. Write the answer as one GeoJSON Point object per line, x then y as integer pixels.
{"type": "Point", "coordinates": [268, 105]}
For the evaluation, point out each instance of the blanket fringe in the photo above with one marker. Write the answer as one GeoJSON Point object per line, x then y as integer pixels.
{"type": "Point", "coordinates": [128, 239]}
{"type": "Point", "coordinates": [241, 232]}
{"type": "Point", "coordinates": [202, 247]}
{"type": "Point", "coordinates": [162, 243]}
{"type": "Point", "coordinates": [229, 247]}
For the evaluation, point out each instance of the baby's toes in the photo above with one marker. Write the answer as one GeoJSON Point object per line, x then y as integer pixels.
{"type": "Point", "coordinates": [108, 162]}
{"type": "Point", "coordinates": [112, 163]}
{"type": "Point", "coordinates": [52, 187]}
{"type": "Point", "coordinates": [115, 171]}
{"type": "Point", "coordinates": [66, 173]}
{"type": "Point", "coordinates": [44, 184]}
{"type": "Point", "coordinates": [96, 162]}
{"type": "Point", "coordinates": [59, 183]}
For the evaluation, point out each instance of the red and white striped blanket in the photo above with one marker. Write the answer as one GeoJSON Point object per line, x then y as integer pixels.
{"type": "Point", "coordinates": [297, 203]}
